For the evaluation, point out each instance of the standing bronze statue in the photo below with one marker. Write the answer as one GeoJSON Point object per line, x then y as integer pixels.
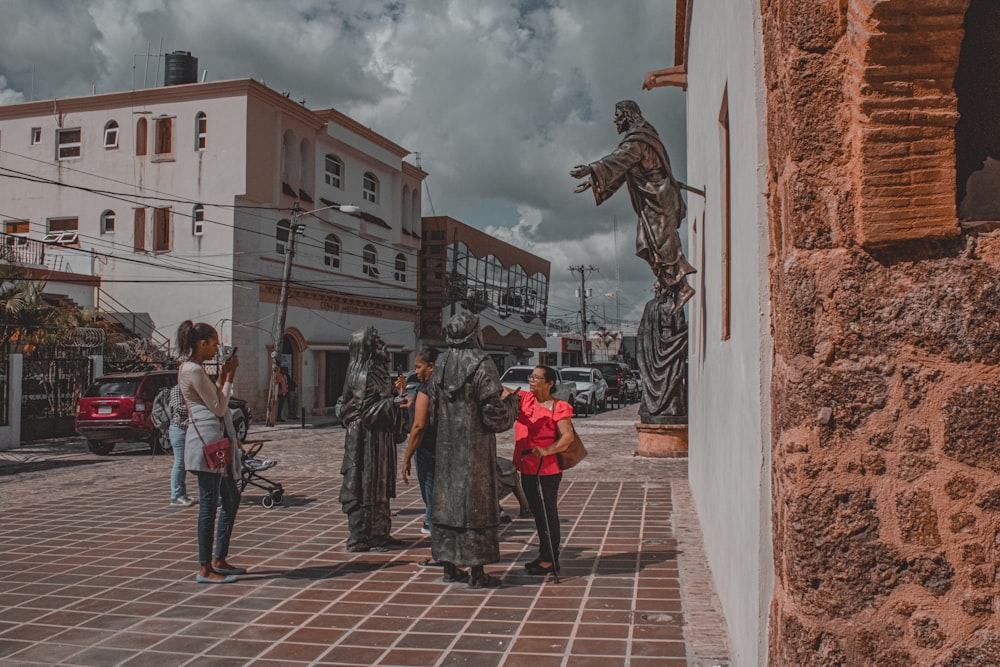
{"type": "Point", "coordinates": [662, 353]}
{"type": "Point", "coordinates": [641, 163]}
{"type": "Point", "coordinates": [375, 420]}
{"type": "Point", "coordinates": [465, 395]}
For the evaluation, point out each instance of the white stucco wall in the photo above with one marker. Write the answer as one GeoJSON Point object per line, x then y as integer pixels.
{"type": "Point", "coordinates": [729, 386]}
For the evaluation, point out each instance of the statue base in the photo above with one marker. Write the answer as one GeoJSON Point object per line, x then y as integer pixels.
{"type": "Point", "coordinates": [662, 440]}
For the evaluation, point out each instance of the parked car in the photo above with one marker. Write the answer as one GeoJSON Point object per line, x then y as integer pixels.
{"type": "Point", "coordinates": [516, 377]}
{"type": "Point", "coordinates": [617, 375]}
{"type": "Point", "coordinates": [118, 407]}
{"type": "Point", "coordinates": [592, 388]}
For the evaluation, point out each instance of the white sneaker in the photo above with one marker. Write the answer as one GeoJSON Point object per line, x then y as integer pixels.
{"type": "Point", "coordinates": [425, 529]}
{"type": "Point", "coordinates": [182, 501]}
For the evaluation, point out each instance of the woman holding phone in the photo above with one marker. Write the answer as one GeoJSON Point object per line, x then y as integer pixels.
{"type": "Point", "coordinates": [208, 405]}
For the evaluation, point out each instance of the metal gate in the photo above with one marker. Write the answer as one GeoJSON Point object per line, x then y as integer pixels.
{"type": "Point", "coordinates": [50, 391]}
{"type": "Point", "coordinates": [4, 386]}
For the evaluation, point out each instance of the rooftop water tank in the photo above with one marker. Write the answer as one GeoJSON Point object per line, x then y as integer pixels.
{"type": "Point", "coordinates": [181, 67]}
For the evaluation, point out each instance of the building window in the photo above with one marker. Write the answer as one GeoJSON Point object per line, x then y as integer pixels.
{"type": "Point", "coordinates": [140, 136]}
{"type": "Point", "coordinates": [198, 220]}
{"type": "Point", "coordinates": [281, 235]}
{"type": "Point", "coordinates": [36, 136]}
{"type": "Point", "coordinates": [334, 171]}
{"type": "Point", "coordinates": [370, 192]}
{"type": "Point", "coordinates": [369, 261]}
{"type": "Point", "coordinates": [68, 143]}
{"type": "Point", "coordinates": [108, 222]}
{"type": "Point", "coordinates": [331, 251]}
{"type": "Point", "coordinates": [727, 216]}
{"type": "Point", "coordinates": [161, 230]}
{"type": "Point", "coordinates": [201, 131]}
{"type": "Point", "coordinates": [111, 135]}
{"type": "Point", "coordinates": [16, 227]}
{"type": "Point", "coordinates": [400, 272]}
{"type": "Point", "coordinates": [139, 231]}
{"type": "Point", "coordinates": [63, 224]}
{"type": "Point", "coordinates": [164, 136]}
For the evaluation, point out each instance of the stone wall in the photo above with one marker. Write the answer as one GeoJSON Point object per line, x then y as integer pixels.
{"type": "Point", "coordinates": [886, 318]}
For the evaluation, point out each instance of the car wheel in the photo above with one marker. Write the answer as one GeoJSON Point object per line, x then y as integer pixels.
{"type": "Point", "coordinates": [100, 448]}
{"type": "Point", "coordinates": [240, 424]}
{"type": "Point", "coordinates": [592, 406]}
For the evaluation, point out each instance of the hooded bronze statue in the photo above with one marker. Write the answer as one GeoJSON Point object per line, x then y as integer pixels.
{"type": "Point", "coordinates": [371, 412]}
{"type": "Point", "coordinates": [465, 394]}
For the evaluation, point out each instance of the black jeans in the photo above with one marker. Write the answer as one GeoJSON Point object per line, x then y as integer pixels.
{"type": "Point", "coordinates": [548, 498]}
{"type": "Point", "coordinates": [212, 486]}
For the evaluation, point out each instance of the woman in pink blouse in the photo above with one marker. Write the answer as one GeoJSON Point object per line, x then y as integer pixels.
{"type": "Point", "coordinates": [544, 428]}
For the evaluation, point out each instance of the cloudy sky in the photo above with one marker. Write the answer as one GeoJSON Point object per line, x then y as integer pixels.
{"type": "Point", "coordinates": [500, 97]}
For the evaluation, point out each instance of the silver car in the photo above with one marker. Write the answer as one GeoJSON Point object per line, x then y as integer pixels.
{"type": "Point", "coordinates": [591, 388]}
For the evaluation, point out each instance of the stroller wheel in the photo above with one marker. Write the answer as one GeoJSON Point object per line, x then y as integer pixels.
{"type": "Point", "coordinates": [267, 501]}
{"type": "Point", "coordinates": [278, 496]}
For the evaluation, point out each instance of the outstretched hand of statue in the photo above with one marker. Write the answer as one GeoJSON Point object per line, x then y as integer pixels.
{"type": "Point", "coordinates": [580, 171]}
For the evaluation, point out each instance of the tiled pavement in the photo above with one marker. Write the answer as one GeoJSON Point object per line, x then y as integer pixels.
{"type": "Point", "coordinates": [96, 569]}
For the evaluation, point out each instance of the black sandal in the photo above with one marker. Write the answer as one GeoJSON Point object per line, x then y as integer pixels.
{"type": "Point", "coordinates": [543, 569]}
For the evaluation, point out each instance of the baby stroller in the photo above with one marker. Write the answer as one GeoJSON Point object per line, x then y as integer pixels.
{"type": "Point", "coordinates": [252, 469]}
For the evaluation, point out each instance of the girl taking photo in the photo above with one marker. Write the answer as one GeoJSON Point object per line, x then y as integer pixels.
{"type": "Point", "coordinates": [208, 404]}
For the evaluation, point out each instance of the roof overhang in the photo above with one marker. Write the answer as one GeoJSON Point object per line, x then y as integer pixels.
{"type": "Point", "coordinates": [676, 75]}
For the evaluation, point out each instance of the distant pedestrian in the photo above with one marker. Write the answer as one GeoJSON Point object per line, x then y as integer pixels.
{"type": "Point", "coordinates": [292, 397]}
{"type": "Point", "coordinates": [177, 418]}
{"type": "Point", "coordinates": [281, 388]}
{"type": "Point", "coordinates": [207, 403]}
{"type": "Point", "coordinates": [171, 427]}
{"type": "Point", "coordinates": [423, 436]}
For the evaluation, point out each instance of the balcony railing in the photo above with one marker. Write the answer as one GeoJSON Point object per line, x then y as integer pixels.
{"type": "Point", "coordinates": [21, 250]}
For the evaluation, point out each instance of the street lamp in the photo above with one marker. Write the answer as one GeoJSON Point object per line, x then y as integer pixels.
{"type": "Point", "coordinates": [295, 229]}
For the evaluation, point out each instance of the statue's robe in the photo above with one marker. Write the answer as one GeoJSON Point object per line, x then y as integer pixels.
{"type": "Point", "coordinates": [662, 347]}
{"type": "Point", "coordinates": [465, 401]}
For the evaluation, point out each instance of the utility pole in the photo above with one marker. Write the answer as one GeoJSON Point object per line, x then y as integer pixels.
{"type": "Point", "coordinates": [278, 338]}
{"type": "Point", "coordinates": [583, 270]}
{"type": "Point", "coordinates": [279, 321]}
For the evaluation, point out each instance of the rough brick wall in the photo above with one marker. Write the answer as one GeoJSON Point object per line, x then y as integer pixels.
{"type": "Point", "coordinates": [886, 380]}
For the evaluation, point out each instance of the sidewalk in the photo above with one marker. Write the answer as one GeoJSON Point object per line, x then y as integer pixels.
{"type": "Point", "coordinates": [96, 569]}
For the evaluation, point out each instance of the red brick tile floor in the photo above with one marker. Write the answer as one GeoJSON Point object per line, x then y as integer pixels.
{"type": "Point", "coordinates": [96, 569]}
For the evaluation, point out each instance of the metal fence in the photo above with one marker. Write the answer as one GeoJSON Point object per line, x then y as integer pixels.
{"type": "Point", "coordinates": [4, 388]}
{"type": "Point", "coordinates": [50, 391]}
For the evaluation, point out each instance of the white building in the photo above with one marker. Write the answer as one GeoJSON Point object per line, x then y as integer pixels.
{"type": "Point", "coordinates": [184, 194]}
{"type": "Point", "coordinates": [719, 60]}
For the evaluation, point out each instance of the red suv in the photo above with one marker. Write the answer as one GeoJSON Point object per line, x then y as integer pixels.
{"type": "Point", "coordinates": [117, 408]}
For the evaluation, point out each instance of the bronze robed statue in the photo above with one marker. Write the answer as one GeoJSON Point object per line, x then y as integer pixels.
{"type": "Point", "coordinates": [465, 400]}
{"type": "Point", "coordinates": [641, 164]}
{"type": "Point", "coordinates": [372, 413]}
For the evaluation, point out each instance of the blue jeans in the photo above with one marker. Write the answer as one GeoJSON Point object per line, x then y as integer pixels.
{"type": "Point", "coordinates": [425, 479]}
{"type": "Point", "coordinates": [178, 485]}
{"type": "Point", "coordinates": [210, 487]}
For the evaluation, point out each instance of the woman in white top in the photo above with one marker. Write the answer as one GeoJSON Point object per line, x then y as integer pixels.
{"type": "Point", "coordinates": [208, 403]}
